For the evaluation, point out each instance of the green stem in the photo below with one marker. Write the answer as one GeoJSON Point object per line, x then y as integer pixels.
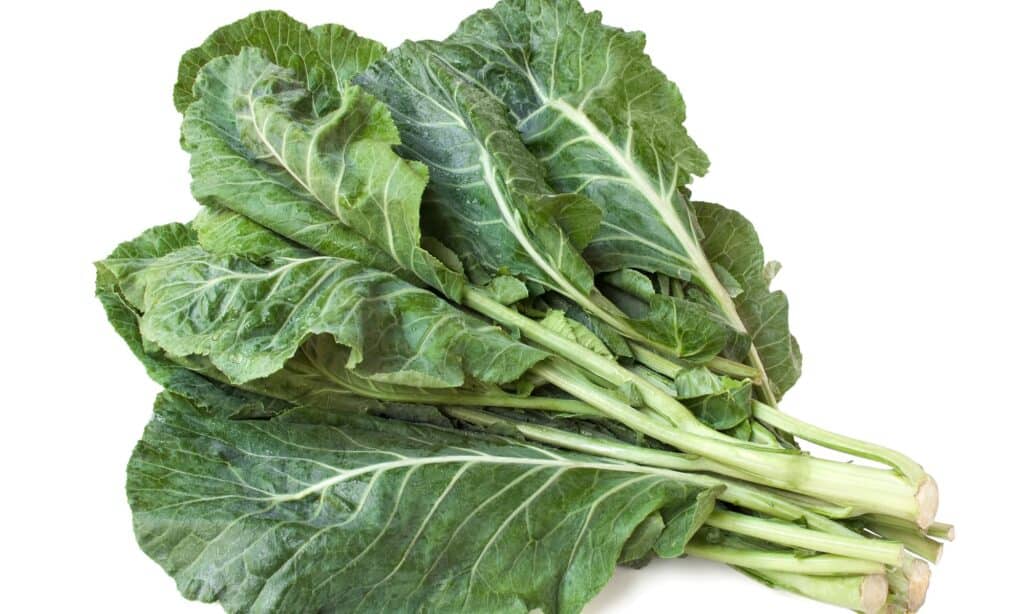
{"type": "Point", "coordinates": [737, 493]}
{"type": "Point", "coordinates": [609, 370]}
{"type": "Point", "coordinates": [822, 565]}
{"type": "Point", "coordinates": [938, 530]}
{"type": "Point", "coordinates": [858, 593]}
{"type": "Point", "coordinates": [825, 508]}
{"type": "Point", "coordinates": [565, 406]}
{"type": "Point", "coordinates": [788, 534]}
{"type": "Point", "coordinates": [875, 490]}
{"type": "Point", "coordinates": [914, 540]}
{"type": "Point", "coordinates": [774, 417]}
{"type": "Point", "coordinates": [942, 530]}
{"type": "Point", "coordinates": [670, 367]}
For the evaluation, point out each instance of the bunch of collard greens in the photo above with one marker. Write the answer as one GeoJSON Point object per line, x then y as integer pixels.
{"type": "Point", "coordinates": [449, 334]}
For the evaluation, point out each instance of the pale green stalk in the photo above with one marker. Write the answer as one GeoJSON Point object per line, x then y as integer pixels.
{"type": "Point", "coordinates": [609, 370]}
{"type": "Point", "coordinates": [834, 441]}
{"type": "Point", "coordinates": [787, 534]}
{"type": "Point", "coordinates": [914, 539]}
{"type": "Point", "coordinates": [822, 565]}
{"type": "Point", "coordinates": [938, 530]}
{"type": "Point", "coordinates": [942, 530]}
{"type": "Point", "coordinates": [876, 490]}
{"type": "Point", "coordinates": [737, 493]}
{"type": "Point", "coordinates": [859, 593]}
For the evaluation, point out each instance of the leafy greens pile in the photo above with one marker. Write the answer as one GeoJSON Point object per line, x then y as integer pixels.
{"type": "Point", "coordinates": [448, 334]}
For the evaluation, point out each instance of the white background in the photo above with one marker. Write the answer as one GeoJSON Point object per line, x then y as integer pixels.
{"type": "Point", "coordinates": [876, 145]}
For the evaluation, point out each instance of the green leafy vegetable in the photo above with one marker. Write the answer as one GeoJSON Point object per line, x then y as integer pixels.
{"type": "Point", "coordinates": [368, 514]}
{"type": "Point", "coordinates": [324, 57]}
{"type": "Point", "coordinates": [250, 318]}
{"type": "Point", "coordinates": [608, 124]}
{"type": "Point", "coordinates": [309, 171]}
{"type": "Point", "coordinates": [489, 200]}
{"type": "Point", "coordinates": [603, 120]}
{"type": "Point", "coordinates": [559, 364]}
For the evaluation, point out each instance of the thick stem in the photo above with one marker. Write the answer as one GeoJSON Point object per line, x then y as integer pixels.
{"type": "Point", "coordinates": [913, 539]}
{"type": "Point", "coordinates": [787, 534]}
{"type": "Point", "coordinates": [565, 406]}
{"type": "Point", "coordinates": [919, 577]}
{"type": "Point", "coordinates": [822, 565]}
{"type": "Point", "coordinates": [859, 593]}
{"type": "Point", "coordinates": [609, 370]}
{"type": "Point", "coordinates": [736, 493]}
{"type": "Point", "coordinates": [938, 530]}
{"type": "Point", "coordinates": [841, 443]}
{"type": "Point", "coordinates": [942, 530]}
{"type": "Point", "coordinates": [874, 490]}
{"type": "Point", "coordinates": [824, 508]}
{"type": "Point", "coordinates": [927, 492]}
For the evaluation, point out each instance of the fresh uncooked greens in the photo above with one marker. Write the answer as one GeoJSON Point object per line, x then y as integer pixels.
{"type": "Point", "coordinates": [309, 513]}
{"type": "Point", "coordinates": [448, 334]}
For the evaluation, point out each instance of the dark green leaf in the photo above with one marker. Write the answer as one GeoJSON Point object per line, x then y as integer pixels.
{"type": "Point", "coordinates": [488, 199]}
{"type": "Point", "coordinates": [324, 57]}
{"type": "Point", "coordinates": [119, 268]}
{"type": "Point", "coordinates": [375, 515]}
{"type": "Point", "coordinates": [259, 150]}
{"type": "Point", "coordinates": [731, 242]}
{"type": "Point", "coordinates": [600, 117]}
{"type": "Point", "coordinates": [250, 317]}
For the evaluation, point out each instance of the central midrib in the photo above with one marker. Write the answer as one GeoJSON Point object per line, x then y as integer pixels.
{"type": "Point", "coordinates": [666, 211]}
{"type": "Point", "coordinates": [481, 458]}
{"type": "Point", "coordinates": [664, 208]}
{"type": "Point", "coordinates": [564, 285]}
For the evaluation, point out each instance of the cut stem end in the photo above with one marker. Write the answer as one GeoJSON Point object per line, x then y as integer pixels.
{"type": "Point", "coordinates": [919, 576]}
{"type": "Point", "coordinates": [927, 502]}
{"type": "Point", "coordinates": [873, 592]}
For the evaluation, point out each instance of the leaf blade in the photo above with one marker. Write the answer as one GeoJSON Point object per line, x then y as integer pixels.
{"type": "Point", "coordinates": [307, 517]}
{"type": "Point", "coordinates": [251, 317]}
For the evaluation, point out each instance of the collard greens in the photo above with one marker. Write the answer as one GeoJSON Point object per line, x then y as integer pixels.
{"type": "Point", "coordinates": [449, 334]}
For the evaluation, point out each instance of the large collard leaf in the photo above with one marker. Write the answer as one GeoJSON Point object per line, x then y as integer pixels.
{"type": "Point", "coordinates": [731, 243]}
{"type": "Point", "coordinates": [118, 271]}
{"type": "Point", "coordinates": [316, 375]}
{"type": "Point", "coordinates": [324, 57]}
{"type": "Point", "coordinates": [607, 123]}
{"type": "Point", "coordinates": [369, 515]}
{"type": "Point", "coordinates": [602, 119]}
{"type": "Point", "coordinates": [487, 199]}
{"type": "Point", "coordinates": [329, 181]}
{"type": "Point", "coordinates": [250, 316]}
